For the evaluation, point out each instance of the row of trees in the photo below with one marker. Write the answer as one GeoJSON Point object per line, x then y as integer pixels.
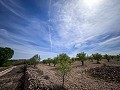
{"type": "Point", "coordinates": [64, 62]}
{"type": "Point", "coordinates": [82, 57]}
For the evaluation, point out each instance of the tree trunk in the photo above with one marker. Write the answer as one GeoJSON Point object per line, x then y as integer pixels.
{"type": "Point", "coordinates": [82, 63]}
{"type": "Point", "coordinates": [98, 62]}
{"type": "Point", "coordinates": [63, 79]}
{"type": "Point", "coordinates": [1, 62]}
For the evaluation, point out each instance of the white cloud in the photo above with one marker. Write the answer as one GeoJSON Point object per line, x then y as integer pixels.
{"type": "Point", "coordinates": [76, 23]}
{"type": "Point", "coordinates": [71, 25]}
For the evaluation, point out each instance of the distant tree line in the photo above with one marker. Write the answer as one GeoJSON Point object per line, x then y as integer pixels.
{"type": "Point", "coordinates": [7, 53]}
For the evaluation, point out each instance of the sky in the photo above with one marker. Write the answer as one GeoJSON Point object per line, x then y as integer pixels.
{"type": "Point", "coordinates": [51, 27]}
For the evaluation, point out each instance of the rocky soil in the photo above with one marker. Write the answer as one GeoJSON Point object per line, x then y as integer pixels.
{"type": "Point", "coordinates": [78, 79]}
{"type": "Point", "coordinates": [11, 80]}
{"type": "Point", "coordinates": [43, 77]}
{"type": "Point", "coordinates": [108, 73]}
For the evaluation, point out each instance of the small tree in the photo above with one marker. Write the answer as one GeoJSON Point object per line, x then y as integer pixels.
{"type": "Point", "coordinates": [107, 57]}
{"type": "Point", "coordinates": [97, 57]}
{"type": "Point", "coordinates": [63, 67]}
{"type": "Point", "coordinates": [112, 57]}
{"type": "Point", "coordinates": [49, 60]}
{"type": "Point", "coordinates": [118, 57]}
{"type": "Point", "coordinates": [82, 57]}
{"type": "Point", "coordinates": [90, 58]}
{"type": "Point", "coordinates": [44, 61]}
{"type": "Point", "coordinates": [55, 61]}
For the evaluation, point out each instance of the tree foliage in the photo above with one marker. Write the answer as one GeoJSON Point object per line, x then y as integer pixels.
{"type": "Point", "coordinates": [55, 61]}
{"type": "Point", "coordinates": [97, 57]}
{"type": "Point", "coordinates": [34, 60]}
{"type": "Point", "coordinates": [107, 57]}
{"type": "Point", "coordinates": [63, 67]}
{"type": "Point", "coordinates": [118, 57]}
{"type": "Point", "coordinates": [82, 57]}
{"type": "Point", "coordinates": [5, 54]}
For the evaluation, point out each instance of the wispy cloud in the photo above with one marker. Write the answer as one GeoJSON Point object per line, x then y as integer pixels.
{"type": "Point", "coordinates": [57, 26]}
{"type": "Point", "coordinates": [76, 24]}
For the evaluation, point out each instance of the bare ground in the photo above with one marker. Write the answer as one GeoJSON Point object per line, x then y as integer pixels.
{"type": "Point", "coordinates": [78, 79]}
{"type": "Point", "coordinates": [6, 71]}
{"type": "Point", "coordinates": [10, 79]}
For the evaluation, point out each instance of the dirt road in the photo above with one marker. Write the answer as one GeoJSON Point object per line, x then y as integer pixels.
{"type": "Point", "coordinates": [6, 71]}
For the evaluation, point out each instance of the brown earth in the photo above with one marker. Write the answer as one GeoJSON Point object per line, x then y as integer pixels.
{"type": "Point", "coordinates": [78, 78]}
{"type": "Point", "coordinates": [12, 79]}
{"type": "Point", "coordinates": [43, 77]}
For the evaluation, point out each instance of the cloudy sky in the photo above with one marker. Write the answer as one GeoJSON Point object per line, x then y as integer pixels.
{"type": "Point", "coordinates": [51, 27]}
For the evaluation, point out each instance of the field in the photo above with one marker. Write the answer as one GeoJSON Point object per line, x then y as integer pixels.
{"type": "Point", "coordinates": [44, 77]}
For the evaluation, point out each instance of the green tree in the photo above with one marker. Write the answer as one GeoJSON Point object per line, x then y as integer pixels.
{"type": "Point", "coordinates": [63, 56]}
{"type": "Point", "coordinates": [112, 57]}
{"type": "Point", "coordinates": [5, 54]}
{"type": "Point", "coordinates": [97, 57]}
{"type": "Point", "coordinates": [55, 61]}
{"type": "Point", "coordinates": [73, 59]}
{"type": "Point", "coordinates": [118, 57]}
{"type": "Point", "coordinates": [44, 61]}
{"type": "Point", "coordinates": [49, 60]}
{"type": "Point", "coordinates": [90, 58]}
{"type": "Point", "coordinates": [34, 60]}
{"type": "Point", "coordinates": [64, 67]}
{"type": "Point", "coordinates": [82, 57]}
{"type": "Point", "coordinates": [107, 57]}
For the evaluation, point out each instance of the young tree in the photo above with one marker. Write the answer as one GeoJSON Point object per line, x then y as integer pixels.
{"type": "Point", "coordinates": [49, 60]}
{"type": "Point", "coordinates": [55, 61]}
{"type": "Point", "coordinates": [5, 54]}
{"type": "Point", "coordinates": [44, 61]}
{"type": "Point", "coordinates": [82, 57]}
{"type": "Point", "coordinates": [107, 57]}
{"type": "Point", "coordinates": [118, 57]}
{"type": "Point", "coordinates": [90, 58]}
{"type": "Point", "coordinates": [63, 67]}
{"type": "Point", "coordinates": [112, 57]}
{"type": "Point", "coordinates": [97, 57]}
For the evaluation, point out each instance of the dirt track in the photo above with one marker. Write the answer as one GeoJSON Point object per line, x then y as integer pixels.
{"type": "Point", "coordinates": [78, 79]}
{"type": "Point", "coordinates": [6, 71]}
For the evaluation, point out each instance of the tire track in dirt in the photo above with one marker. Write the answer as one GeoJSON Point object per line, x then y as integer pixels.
{"type": "Point", "coordinates": [6, 71]}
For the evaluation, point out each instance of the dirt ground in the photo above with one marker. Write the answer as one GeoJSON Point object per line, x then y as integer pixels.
{"type": "Point", "coordinates": [11, 80]}
{"type": "Point", "coordinates": [78, 79]}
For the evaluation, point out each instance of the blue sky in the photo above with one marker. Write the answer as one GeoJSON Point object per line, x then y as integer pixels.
{"type": "Point", "coordinates": [51, 27]}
